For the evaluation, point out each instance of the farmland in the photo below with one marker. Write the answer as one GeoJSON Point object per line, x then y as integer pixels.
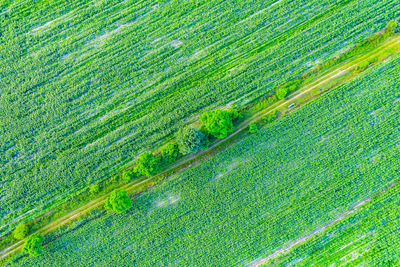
{"type": "Point", "coordinates": [86, 86]}
{"type": "Point", "coordinates": [366, 236]}
{"type": "Point", "coordinates": [272, 187]}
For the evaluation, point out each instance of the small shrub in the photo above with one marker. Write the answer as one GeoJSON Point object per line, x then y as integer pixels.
{"type": "Point", "coordinates": [21, 231]}
{"type": "Point", "coordinates": [253, 127]}
{"type": "Point", "coordinates": [94, 188]}
{"type": "Point", "coordinates": [170, 152]}
{"type": "Point", "coordinates": [217, 122]}
{"type": "Point", "coordinates": [270, 116]}
{"type": "Point", "coordinates": [281, 92]}
{"type": "Point", "coordinates": [127, 176]}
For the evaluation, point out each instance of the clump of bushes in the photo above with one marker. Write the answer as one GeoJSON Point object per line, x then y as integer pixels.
{"type": "Point", "coordinates": [218, 122]}
{"type": "Point", "coordinates": [118, 201]}
{"type": "Point", "coordinates": [33, 245]}
{"type": "Point", "coordinates": [147, 164]}
{"type": "Point", "coordinates": [189, 140]}
{"type": "Point", "coordinates": [21, 231]}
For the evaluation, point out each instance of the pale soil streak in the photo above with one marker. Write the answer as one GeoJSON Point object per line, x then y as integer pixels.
{"type": "Point", "coordinates": [307, 236]}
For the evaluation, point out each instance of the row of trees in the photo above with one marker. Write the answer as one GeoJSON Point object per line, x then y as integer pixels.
{"type": "Point", "coordinates": [214, 124]}
{"type": "Point", "coordinates": [33, 244]}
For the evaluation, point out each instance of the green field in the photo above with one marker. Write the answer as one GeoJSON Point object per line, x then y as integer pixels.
{"type": "Point", "coordinates": [86, 86]}
{"type": "Point", "coordinates": [264, 191]}
{"type": "Point", "coordinates": [368, 236]}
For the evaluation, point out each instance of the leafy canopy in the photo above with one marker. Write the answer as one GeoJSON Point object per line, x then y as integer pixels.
{"type": "Point", "coordinates": [118, 201]}
{"type": "Point", "coordinates": [170, 152]}
{"type": "Point", "coordinates": [33, 245]}
{"type": "Point", "coordinates": [217, 122]}
{"type": "Point", "coordinates": [147, 164]}
{"type": "Point", "coordinates": [189, 140]}
{"type": "Point", "coordinates": [20, 231]}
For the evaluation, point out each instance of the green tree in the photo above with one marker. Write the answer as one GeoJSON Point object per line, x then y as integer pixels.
{"type": "Point", "coordinates": [253, 127]}
{"type": "Point", "coordinates": [170, 152]}
{"type": "Point", "coordinates": [118, 201]}
{"type": "Point", "coordinates": [147, 164]}
{"type": "Point", "coordinates": [217, 122]}
{"type": "Point", "coordinates": [20, 231]}
{"type": "Point", "coordinates": [33, 245]}
{"type": "Point", "coordinates": [272, 99]}
{"type": "Point", "coordinates": [189, 140]}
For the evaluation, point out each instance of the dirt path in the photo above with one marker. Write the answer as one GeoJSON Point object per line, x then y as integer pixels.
{"type": "Point", "coordinates": [195, 158]}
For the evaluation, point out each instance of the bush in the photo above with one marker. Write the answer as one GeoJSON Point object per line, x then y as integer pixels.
{"type": "Point", "coordinates": [288, 87]}
{"type": "Point", "coordinates": [217, 122]}
{"type": "Point", "coordinates": [271, 116]}
{"type": "Point", "coordinates": [118, 201]}
{"type": "Point", "coordinates": [281, 92]}
{"type": "Point", "coordinates": [170, 152]}
{"type": "Point", "coordinates": [127, 176]}
{"type": "Point", "coordinates": [147, 164]}
{"type": "Point", "coordinates": [21, 231]}
{"type": "Point", "coordinates": [391, 28]}
{"type": "Point", "coordinates": [94, 188]}
{"type": "Point", "coordinates": [272, 99]}
{"type": "Point", "coordinates": [33, 245]}
{"type": "Point", "coordinates": [189, 140]}
{"type": "Point", "coordinates": [253, 127]}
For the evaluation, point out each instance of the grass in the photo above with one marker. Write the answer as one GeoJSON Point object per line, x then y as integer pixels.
{"type": "Point", "coordinates": [269, 188]}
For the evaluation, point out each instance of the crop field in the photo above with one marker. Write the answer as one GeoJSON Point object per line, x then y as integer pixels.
{"type": "Point", "coordinates": [264, 191]}
{"type": "Point", "coordinates": [87, 85]}
{"type": "Point", "coordinates": [369, 236]}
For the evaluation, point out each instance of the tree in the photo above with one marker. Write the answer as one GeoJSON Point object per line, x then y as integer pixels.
{"type": "Point", "coordinates": [189, 140]}
{"type": "Point", "coordinates": [20, 231]}
{"type": "Point", "coordinates": [147, 164]}
{"type": "Point", "coordinates": [170, 152]}
{"type": "Point", "coordinates": [253, 127]}
{"type": "Point", "coordinates": [33, 245]}
{"type": "Point", "coordinates": [217, 122]}
{"type": "Point", "coordinates": [118, 201]}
